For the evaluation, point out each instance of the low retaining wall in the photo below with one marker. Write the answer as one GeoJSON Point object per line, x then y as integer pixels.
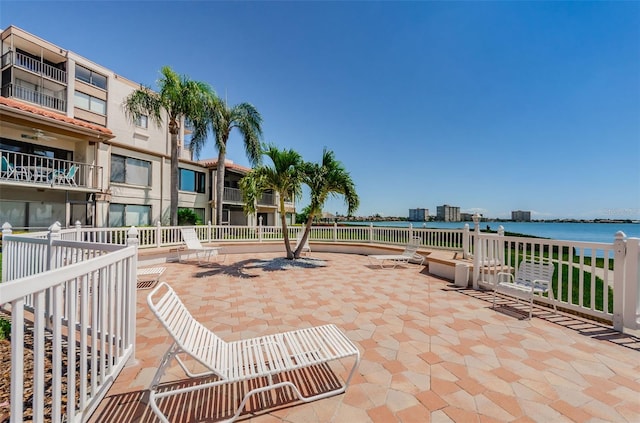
{"type": "Point", "coordinates": [152, 256]}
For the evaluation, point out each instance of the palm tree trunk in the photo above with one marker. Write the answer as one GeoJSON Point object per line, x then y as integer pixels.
{"type": "Point", "coordinates": [220, 186]}
{"type": "Point", "coordinates": [285, 231]}
{"type": "Point", "coordinates": [174, 176]}
{"type": "Point", "coordinates": [305, 236]}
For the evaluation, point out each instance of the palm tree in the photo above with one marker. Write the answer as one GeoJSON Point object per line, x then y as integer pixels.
{"type": "Point", "coordinates": [222, 119]}
{"type": "Point", "coordinates": [182, 99]}
{"type": "Point", "coordinates": [324, 179]}
{"type": "Point", "coordinates": [284, 177]}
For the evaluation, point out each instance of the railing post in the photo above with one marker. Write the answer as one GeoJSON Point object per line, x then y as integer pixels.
{"type": "Point", "coordinates": [158, 234]}
{"type": "Point", "coordinates": [260, 229]}
{"type": "Point", "coordinates": [410, 240]}
{"type": "Point", "coordinates": [6, 231]}
{"type": "Point", "coordinates": [209, 237]}
{"type": "Point", "coordinates": [619, 249]}
{"type": "Point", "coordinates": [54, 235]}
{"type": "Point", "coordinates": [335, 231]}
{"type": "Point", "coordinates": [465, 241]}
{"type": "Point", "coordinates": [78, 231]}
{"type": "Point", "coordinates": [370, 232]}
{"type": "Point", "coordinates": [501, 244]}
{"type": "Point", "coordinates": [132, 239]}
{"type": "Point", "coordinates": [631, 284]}
{"type": "Point", "coordinates": [476, 250]}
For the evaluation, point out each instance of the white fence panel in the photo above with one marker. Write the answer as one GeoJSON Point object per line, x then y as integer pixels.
{"type": "Point", "coordinates": [81, 320]}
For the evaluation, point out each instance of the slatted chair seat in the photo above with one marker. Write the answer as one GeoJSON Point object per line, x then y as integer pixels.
{"type": "Point", "coordinates": [247, 359]}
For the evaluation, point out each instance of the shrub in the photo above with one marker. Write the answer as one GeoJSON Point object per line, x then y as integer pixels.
{"type": "Point", "coordinates": [5, 329]}
{"type": "Point", "coordinates": [188, 217]}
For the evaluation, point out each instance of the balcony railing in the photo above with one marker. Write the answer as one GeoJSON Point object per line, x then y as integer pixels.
{"type": "Point", "coordinates": [232, 195]}
{"type": "Point", "coordinates": [34, 65]}
{"type": "Point", "coordinates": [45, 100]}
{"type": "Point", "coordinates": [57, 173]}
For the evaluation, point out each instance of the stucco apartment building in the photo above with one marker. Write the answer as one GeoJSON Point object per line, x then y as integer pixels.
{"type": "Point", "coordinates": [70, 154]}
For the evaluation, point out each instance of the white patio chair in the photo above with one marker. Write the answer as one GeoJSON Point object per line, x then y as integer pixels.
{"type": "Point", "coordinates": [67, 177]}
{"type": "Point", "coordinates": [245, 360]}
{"type": "Point", "coordinates": [193, 244]}
{"type": "Point", "coordinates": [410, 253]}
{"type": "Point", "coordinates": [532, 277]}
{"type": "Point", "coordinates": [9, 171]}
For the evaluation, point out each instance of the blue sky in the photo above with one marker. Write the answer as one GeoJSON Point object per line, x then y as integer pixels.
{"type": "Point", "coordinates": [489, 106]}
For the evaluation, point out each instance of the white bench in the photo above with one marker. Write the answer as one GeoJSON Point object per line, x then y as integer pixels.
{"type": "Point", "coordinates": [532, 277]}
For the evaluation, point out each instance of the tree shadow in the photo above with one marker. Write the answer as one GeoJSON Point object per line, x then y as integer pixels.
{"type": "Point", "coordinates": [239, 269]}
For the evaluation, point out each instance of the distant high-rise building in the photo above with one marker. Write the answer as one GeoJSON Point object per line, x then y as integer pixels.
{"type": "Point", "coordinates": [418, 215]}
{"type": "Point", "coordinates": [466, 217]}
{"type": "Point", "coordinates": [521, 216]}
{"type": "Point", "coordinates": [448, 213]}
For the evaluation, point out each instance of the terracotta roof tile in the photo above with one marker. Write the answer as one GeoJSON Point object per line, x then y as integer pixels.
{"type": "Point", "coordinates": [228, 165]}
{"type": "Point", "coordinates": [9, 102]}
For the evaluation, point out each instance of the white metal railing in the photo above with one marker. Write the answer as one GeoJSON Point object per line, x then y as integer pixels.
{"type": "Point", "coordinates": [167, 236]}
{"type": "Point", "coordinates": [40, 170]}
{"type": "Point", "coordinates": [232, 194]}
{"type": "Point", "coordinates": [595, 279]}
{"type": "Point", "coordinates": [39, 67]}
{"type": "Point", "coordinates": [78, 305]}
{"type": "Point", "coordinates": [37, 97]}
{"type": "Point", "coordinates": [267, 199]}
{"type": "Point", "coordinates": [580, 273]}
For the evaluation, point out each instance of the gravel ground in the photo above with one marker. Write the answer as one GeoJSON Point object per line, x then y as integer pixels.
{"type": "Point", "coordinates": [5, 380]}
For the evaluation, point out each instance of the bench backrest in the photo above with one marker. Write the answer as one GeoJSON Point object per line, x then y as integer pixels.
{"type": "Point", "coordinates": [190, 335]}
{"type": "Point", "coordinates": [529, 271]}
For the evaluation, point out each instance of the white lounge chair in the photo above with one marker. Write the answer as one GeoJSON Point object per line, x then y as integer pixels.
{"type": "Point", "coordinates": [193, 244]}
{"type": "Point", "coordinates": [410, 253]}
{"type": "Point", "coordinates": [305, 248]}
{"type": "Point", "coordinates": [148, 277]}
{"type": "Point", "coordinates": [532, 277]}
{"type": "Point", "coordinates": [245, 360]}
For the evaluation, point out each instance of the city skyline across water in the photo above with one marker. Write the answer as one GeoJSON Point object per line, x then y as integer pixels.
{"type": "Point", "coordinates": [570, 231]}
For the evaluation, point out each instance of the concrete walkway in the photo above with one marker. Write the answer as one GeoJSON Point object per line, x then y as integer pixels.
{"type": "Point", "coordinates": [430, 352]}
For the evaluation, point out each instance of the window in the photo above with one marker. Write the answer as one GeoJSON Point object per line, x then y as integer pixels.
{"type": "Point", "coordinates": [31, 214]}
{"type": "Point", "coordinates": [38, 150]}
{"type": "Point", "coordinates": [143, 122]}
{"type": "Point", "coordinates": [87, 102]}
{"type": "Point", "coordinates": [128, 170]}
{"type": "Point", "coordinates": [90, 77]}
{"type": "Point", "coordinates": [129, 215]}
{"type": "Point", "coordinates": [191, 180]}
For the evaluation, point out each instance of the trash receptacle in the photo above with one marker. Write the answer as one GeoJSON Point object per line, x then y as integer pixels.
{"type": "Point", "coordinates": [462, 275]}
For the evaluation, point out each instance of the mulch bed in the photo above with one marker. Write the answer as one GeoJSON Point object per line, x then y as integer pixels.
{"type": "Point", "coordinates": [5, 378]}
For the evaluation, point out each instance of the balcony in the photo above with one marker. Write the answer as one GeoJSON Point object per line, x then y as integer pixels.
{"type": "Point", "coordinates": [38, 171]}
{"type": "Point", "coordinates": [36, 66]}
{"type": "Point", "coordinates": [267, 199]}
{"type": "Point", "coordinates": [36, 97]}
{"type": "Point", "coordinates": [232, 195]}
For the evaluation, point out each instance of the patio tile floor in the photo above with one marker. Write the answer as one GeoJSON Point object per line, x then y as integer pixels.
{"type": "Point", "coordinates": [430, 351]}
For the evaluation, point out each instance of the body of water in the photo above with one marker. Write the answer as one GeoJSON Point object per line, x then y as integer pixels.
{"type": "Point", "coordinates": [589, 232]}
